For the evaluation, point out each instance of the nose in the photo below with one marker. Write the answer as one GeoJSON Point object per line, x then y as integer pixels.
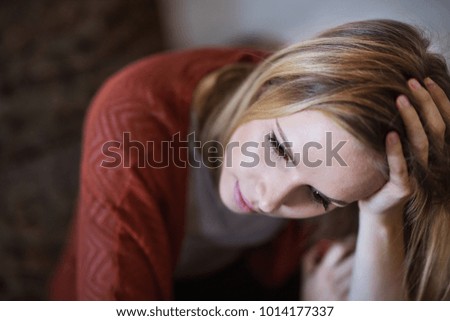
{"type": "Point", "coordinates": [271, 195]}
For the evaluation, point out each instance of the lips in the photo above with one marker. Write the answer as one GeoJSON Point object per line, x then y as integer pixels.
{"type": "Point", "coordinates": [242, 203]}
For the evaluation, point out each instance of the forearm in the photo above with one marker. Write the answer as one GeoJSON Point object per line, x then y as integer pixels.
{"type": "Point", "coordinates": [379, 270]}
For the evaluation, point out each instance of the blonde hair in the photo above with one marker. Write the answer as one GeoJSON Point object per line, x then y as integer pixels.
{"type": "Point", "coordinates": [353, 74]}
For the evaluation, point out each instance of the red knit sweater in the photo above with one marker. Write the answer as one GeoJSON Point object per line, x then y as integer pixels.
{"type": "Point", "coordinates": [129, 222]}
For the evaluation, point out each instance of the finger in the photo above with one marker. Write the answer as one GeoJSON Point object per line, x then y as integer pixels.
{"type": "Point", "coordinates": [443, 105]}
{"type": "Point", "coordinates": [398, 169]}
{"type": "Point", "coordinates": [338, 252]}
{"type": "Point", "coordinates": [398, 186]}
{"type": "Point", "coordinates": [431, 113]}
{"type": "Point", "coordinates": [343, 291]}
{"type": "Point", "coordinates": [414, 129]}
{"type": "Point", "coordinates": [343, 271]}
{"type": "Point", "coordinates": [439, 97]}
{"type": "Point", "coordinates": [309, 260]}
{"type": "Point", "coordinates": [342, 288]}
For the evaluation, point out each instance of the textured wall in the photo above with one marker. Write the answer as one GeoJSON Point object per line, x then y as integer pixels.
{"type": "Point", "coordinates": [53, 56]}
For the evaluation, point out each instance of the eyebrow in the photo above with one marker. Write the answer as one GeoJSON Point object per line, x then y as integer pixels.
{"type": "Point", "coordinates": [289, 150]}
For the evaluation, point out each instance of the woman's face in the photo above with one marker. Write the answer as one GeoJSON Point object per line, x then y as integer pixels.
{"type": "Point", "coordinates": [259, 174]}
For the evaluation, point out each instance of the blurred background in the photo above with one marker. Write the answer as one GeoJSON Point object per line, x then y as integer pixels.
{"type": "Point", "coordinates": [54, 54]}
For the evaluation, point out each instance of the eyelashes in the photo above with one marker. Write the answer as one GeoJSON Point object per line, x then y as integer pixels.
{"type": "Point", "coordinates": [318, 198]}
{"type": "Point", "coordinates": [279, 150]}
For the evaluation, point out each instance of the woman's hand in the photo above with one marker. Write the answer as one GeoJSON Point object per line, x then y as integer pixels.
{"type": "Point", "coordinates": [434, 107]}
{"type": "Point", "coordinates": [327, 269]}
{"type": "Point", "coordinates": [379, 270]}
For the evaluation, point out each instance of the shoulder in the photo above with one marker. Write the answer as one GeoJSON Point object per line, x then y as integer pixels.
{"type": "Point", "coordinates": [163, 83]}
{"type": "Point", "coordinates": [169, 69]}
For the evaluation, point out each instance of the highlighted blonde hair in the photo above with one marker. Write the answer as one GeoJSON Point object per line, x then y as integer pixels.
{"type": "Point", "coordinates": [353, 74]}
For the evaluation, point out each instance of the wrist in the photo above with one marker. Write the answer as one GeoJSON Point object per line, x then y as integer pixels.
{"type": "Point", "coordinates": [385, 226]}
{"type": "Point", "coordinates": [389, 216]}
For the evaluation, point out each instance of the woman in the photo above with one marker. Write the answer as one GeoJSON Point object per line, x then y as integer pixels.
{"type": "Point", "coordinates": [348, 125]}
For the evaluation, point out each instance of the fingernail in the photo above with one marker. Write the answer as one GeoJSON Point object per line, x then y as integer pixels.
{"type": "Point", "coordinates": [403, 100]}
{"type": "Point", "coordinates": [393, 138]}
{"type": "Point", "coordinates": [429, 82]}
{"type": "Point", "coordinates": [414, 84]}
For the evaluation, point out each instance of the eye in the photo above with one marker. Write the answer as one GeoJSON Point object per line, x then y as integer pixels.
{"type": "Point", "coordinates": [318, 198]}
{"type": "Point", "coordinates": [277, 147]}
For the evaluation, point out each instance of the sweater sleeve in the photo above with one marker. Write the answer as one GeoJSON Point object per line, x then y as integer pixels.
{"type": "Point", "coordinates": [126, 235]}
{"type": "Point", "coordinates": [114, 261]}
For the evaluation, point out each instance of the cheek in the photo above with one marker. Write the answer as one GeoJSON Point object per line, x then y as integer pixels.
{"type": "Point", "coordinates": [361, 178]}
{"type": "Point", "coordinates": [369, 185]}
{"type": "Point", "coordinates": [244, 150]}
{"type": "Point", "coordinates": [375, 182]}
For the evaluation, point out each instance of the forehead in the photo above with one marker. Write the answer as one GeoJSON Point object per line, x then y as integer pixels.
{"type": "Point", "coordinates": [344, 169]}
